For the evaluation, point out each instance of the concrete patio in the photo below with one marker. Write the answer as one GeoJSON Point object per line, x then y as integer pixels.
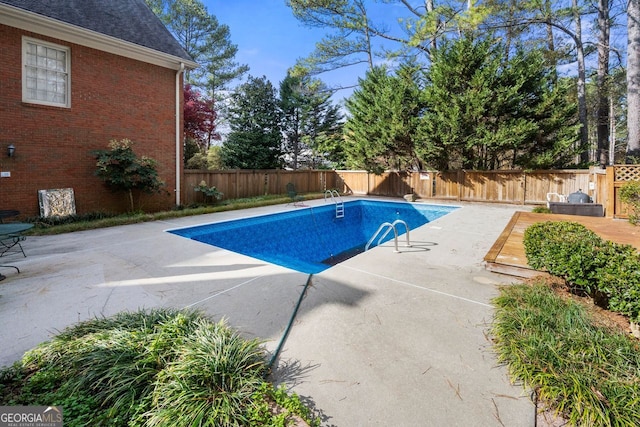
{"type": "Point", "coordinates": [388, 339]}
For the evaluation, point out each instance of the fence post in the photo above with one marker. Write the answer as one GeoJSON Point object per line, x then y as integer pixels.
{"type": "Point", "coordinates": [460, 179]}
{"type": "Point", "coordinates": [611, 193]}
{"type": "Point", "coordinates": [524, 188]}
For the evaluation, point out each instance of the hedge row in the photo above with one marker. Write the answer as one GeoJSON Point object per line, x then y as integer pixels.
{"type": "Point", "coordinates": [608, 272]}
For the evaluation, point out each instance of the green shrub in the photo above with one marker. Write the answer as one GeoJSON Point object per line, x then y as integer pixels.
{"type": "Point", "coordinates": [565, 249]}
{"type": "Point", "coordinates": [541, 209]}
{"type": "Point", "coordinates": [608, 272]}
{"type": "Point", "coordinates": [212, 381]}
{"type": "Point", "coordinates": [122, 170]}
{"type": "Point", "coordinates": [210, 194]}
{"type": "Point", "coordinates": [619, 279]}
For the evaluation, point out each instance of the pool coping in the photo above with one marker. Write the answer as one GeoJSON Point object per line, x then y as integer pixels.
{"type": "Point", "coordinates": [295, 240]}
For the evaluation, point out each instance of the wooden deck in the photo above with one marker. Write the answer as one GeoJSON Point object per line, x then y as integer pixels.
{"type": "Point", "coordinates": [507, 253]}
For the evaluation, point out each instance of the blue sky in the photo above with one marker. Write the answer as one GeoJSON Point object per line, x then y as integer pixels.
{"type": "Point", "coordinates": [270, 39]}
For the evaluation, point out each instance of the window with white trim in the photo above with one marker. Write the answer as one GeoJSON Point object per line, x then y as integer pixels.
{"type": "Point", "coordinates": [45, 76]}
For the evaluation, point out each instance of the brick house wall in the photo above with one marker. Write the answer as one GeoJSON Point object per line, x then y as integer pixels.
{"type": "Point", "coordinates": [112, 97]}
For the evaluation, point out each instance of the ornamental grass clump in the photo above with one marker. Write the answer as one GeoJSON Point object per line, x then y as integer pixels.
{"type": "Point", "coordinates": [150, 368]}
{"type": "Point", "coordinates": [587, 374]}
{"type": "Point", "coordinates": [211, 382]}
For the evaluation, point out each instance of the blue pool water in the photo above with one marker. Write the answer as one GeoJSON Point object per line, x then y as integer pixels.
{"type": "Point", "coordinates": [312, 239]}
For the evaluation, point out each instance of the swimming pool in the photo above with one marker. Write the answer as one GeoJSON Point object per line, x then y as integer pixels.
{"type": "Point", "coordinates": [312, 239]}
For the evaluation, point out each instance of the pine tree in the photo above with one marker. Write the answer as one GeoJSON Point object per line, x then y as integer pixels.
{"type": "Point", "coordinates": [380, 132]}
{"type": "Point", "coordinates": [324, 133]}
{"type": "Point", "coordinates": [203, 37]}
{"type": "Point", "coordinates": [487, 112]}
{"type": "Point", "coordinates": [255, 139]}
{"type": "Point", "coordinates": [309, 118]}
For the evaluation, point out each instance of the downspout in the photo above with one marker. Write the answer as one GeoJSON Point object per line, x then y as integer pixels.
{"type": "Point", "coordinates": [178, 134]}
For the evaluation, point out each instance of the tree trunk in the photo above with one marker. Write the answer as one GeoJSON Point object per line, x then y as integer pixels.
{"type": "Point", "coordinates": [432, 44]}
{"type": "Point", "coordinates": [582, 96]}
{"type": "Point", "coordinates": [131, 200]}
{"type": "Point", "coordinates": [633, 78]}
{"type": "Point", "coordinates": [602, 80]}
{"type": "Point", "coordinates": [550, 42]}
{"type": "Point", "coordinates": [612, 131]}
{"type": "Point", "coordinates": [510, 30]}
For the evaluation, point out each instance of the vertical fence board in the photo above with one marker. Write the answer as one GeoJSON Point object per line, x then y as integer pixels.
{"type": "Point", "coordinates": [354, 182]}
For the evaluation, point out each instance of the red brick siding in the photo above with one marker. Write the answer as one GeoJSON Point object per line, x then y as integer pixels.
{"type": "Point", "coordinates": [112, 97]}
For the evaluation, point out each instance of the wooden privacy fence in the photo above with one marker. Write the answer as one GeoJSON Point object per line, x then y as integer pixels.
{"type": "Point", "coordinates": [509, 186]}
{"type": "Point", "coordinates": [513, 187]}
{"type": "Point", "coordinates": [241, 183]}
{"type": "Point", "coordinates": [617, 176]}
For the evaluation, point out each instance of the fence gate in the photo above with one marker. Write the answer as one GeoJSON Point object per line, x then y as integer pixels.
{"type": "Point", "coordinates": [617, 176]}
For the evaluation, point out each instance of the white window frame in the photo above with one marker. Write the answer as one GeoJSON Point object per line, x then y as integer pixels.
{"type": "Point", "coordinates": [51, 76]}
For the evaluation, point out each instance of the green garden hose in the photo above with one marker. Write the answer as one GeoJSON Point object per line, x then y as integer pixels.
{"type": "Point", "coordinates": [288, 328]}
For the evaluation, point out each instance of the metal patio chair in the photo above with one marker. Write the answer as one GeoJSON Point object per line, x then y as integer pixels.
{"type": "Point", "coordinates": [296, 199]}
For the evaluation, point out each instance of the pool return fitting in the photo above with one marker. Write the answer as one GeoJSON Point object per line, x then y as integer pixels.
{"type": "Point", "coordinates": [388, 226]}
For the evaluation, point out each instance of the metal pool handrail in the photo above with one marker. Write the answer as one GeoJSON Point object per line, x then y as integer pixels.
{"type": "Point", "coordinates": [389, 226]}
{"type": "Point", "coordinates": [335, 196]}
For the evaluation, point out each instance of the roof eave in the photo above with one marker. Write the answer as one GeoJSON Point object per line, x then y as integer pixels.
{"type": "Point", "coordinates": [39, 24]}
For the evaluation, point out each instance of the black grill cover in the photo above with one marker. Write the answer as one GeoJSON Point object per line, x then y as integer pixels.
{"type": "Point", "coordinates": [579, 197]}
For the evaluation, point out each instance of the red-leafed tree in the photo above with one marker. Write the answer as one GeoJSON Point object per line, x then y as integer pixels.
{"type": "Point", "coordinates": [199, 118]}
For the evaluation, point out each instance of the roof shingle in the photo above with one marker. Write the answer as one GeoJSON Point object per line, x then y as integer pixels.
{"type": "Point", "coordinates": [128, 20]}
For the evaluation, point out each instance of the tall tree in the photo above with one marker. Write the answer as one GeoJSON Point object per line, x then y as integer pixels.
{"type": "Point", "coordinates": [294, 104]}
{"type": "Point", "coordinates": [350, 42]}
{"type": "Point", "coordinates": [355, 38]}
{"type": "Point", "coordinates": [309, 117]}
{"type": "Point", "coordinates": [523, 21]}
{"type": "Point", "coordinates": [581, 82]}
{"type": "Point", "coordinates": [205, 39]}
{"type": "Point", "coordinates": [325, 135]}
{"type": "Point", "coordinates": [199, 118]}
{"type": "Point", "coordinates": [633, 79]}
{"type": "Point", "coordinates": [604, 34]}
{"type": "Point", "coordinates": [323, 131]}
{"type": "Point", "coordinates": [255, 139]}
{"type": "Point", "coordinates": [381, 130]}
{"type": "Point", "coordinates": [483, 112]}
{"type": "Point", "coordinates": [218, 61]}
